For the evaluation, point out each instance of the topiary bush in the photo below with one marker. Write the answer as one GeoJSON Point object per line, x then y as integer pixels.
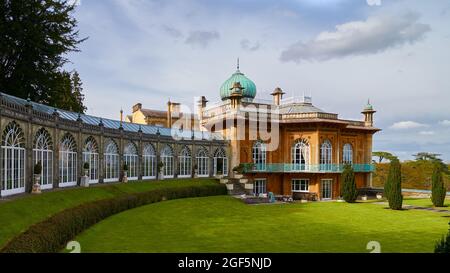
{"type": "Point", "coordinates": [52, 234]}
{"type": "Point", "coordinates": [393, 191]}
{"type": "Point", "coordinates": [438, 190]}
{"type": "Point", "coordinates": [37, 168]}
{"type": "Point", "coordinates": [349, 191]}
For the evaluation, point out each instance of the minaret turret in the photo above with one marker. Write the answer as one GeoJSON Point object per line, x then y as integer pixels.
{"type": "Point", "coordinates": [368, 114]}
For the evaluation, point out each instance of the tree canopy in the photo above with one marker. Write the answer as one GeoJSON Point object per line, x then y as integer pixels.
{"type": "Point", "coordinates": [35, 38]}
{"type": "Point", "coordinates": [383, 155]}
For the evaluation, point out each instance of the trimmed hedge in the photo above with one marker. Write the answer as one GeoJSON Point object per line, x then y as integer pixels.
{"type": "Point", "coordinates": [52, 234]}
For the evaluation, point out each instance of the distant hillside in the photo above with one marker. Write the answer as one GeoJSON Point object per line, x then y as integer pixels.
{"type": "Point", "coordinates": [415, 175]}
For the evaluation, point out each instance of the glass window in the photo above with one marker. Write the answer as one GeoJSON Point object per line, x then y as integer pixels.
{"type": "Point", "coordinates": [67, 161]}
{"type": "Point", "coordinates": [12, 160]}
{"type": "Point", "coordinates": [259, 186]}
{"type": "Point", "coordinates": [111, 159]}
{"type": "Point", "coordinates": [300, 185]}
{"type": "Point", "coordinates": [43, 153]}
{"type": "Point", "coordinates": [185, 162]}
{"type": "Point", "coordinates": [149, 157]}
{"type": "Point", "coordinates": [259, 155]}
{"type": "Point", "coordinates": [203, 162]}
{"type": "Point", "coordinates": [130, 157]}
{"type": "Point", "coordinates": [347, 154]}
{"type": "Point", "coordinates": [300, 155]}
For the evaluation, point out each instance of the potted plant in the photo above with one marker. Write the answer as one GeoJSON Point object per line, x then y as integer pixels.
{"type": "Point", "coordinates": [160, 170]}
{"type": "Point", "coordinates": [195, 170]}
{"type": "Point", "coordinates": [86, 168]}
{"type": "Point", "coordinates": [364, 197]}
{"type": "Point", "coordinates": [379, 195]}
{"type": "Point", "coordinates": [37, 178]}
{"type": "Point", "coordinates": [85, 178]}
{"type": "Point", "coordinates": [238, 170]}
{"type": "Point", "coordinates": [125, 173]}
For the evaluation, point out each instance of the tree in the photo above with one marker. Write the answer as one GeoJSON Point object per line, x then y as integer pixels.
{"type": "Point", "coordinates": [438, 190]}
{"type": "Point", "coordinates": [383, 155]}
{"type": "Point", "coordinates": [393, 185]}
{"type": "Point", "coordinates": [426, 156]}
{"type": "Point", "coordinates": [348, 186]}
{"type": "Point", "coordinates": [35, 38]}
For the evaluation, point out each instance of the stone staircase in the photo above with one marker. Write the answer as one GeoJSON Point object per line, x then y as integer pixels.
{"type": "Point", "coordinates": [238, 185]}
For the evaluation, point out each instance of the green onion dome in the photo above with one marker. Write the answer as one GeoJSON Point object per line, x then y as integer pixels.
{"type": "Point", "coordinates": [249, 87]}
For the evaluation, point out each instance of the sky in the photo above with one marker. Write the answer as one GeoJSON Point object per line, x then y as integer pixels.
{"type": "Point", "coordinates": [342, 52]}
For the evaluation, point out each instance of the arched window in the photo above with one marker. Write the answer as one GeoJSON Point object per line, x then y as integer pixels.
{"type": "Point", "coordinates": [67, 161]}
{"type": "Point", "coordinates": [43, 153]}
{"type": "Point", "coordinates": [111, 159]}
{"type": "Point", "coordinates": [167, 160]}
{"type": "Point", "coordinates": [149, 158]}
{"type": "Point", "coordinates": [259, 155]}
{"type": "Point", "coordinates": [202, 162]}
{"type": "Point", "coordinates": [347, 154]}
{"type": "Point", "coordinates": [130, 156]}
{"type": "Point", "coordinates": [326, 151]}
{"type": "Point", "coordinates": [220, 162]}
{"type": "Point", "coordinates": [12, 160]}
{"type": "Point", "coordinates": [300, 155]}
{"type": "Point", "coordinates": [185, 162]}
{"type": "Point", "coordinates": [90, 155]}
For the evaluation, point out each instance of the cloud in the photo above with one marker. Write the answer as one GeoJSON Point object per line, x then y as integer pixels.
{"type": "Point", "coordinates": [175, 33]}
{"type": "Point", "coordinates": [202, 38]}
{"type": "Point", "coordinates": [407, 125]}
{"type": "Point", "coordinates": [247, 45]}
{"type": "Point", "coordinates": [427, 133]}
{"type": "Point", "coordinates": [376, 34]}
{"type": "Point", "coordinates": [445, 122]}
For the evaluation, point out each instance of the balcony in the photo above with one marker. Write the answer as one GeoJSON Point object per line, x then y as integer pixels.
{"type": "Point", "coordinates": [303, 168]}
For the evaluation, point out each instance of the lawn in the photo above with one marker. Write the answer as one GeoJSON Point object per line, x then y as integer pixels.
{"type": "Point", "coordinates": [19, 213]}
{"type": "Point", "coordinates": [425, 202]}
{"type": "Point", "coordinates": [224, 224]}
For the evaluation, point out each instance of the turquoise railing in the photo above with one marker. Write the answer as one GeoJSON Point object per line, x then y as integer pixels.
{"type": "Point", "coordinates": [293, 168]}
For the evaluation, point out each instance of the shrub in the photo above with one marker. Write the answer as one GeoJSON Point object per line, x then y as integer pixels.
{"type": "Point", "coordinates": [443, 246]}
{"type": "Point", "coordinates": [393, 191]}
{"type": "Point", "coordinates": [38, 168]}
{"type": "Point", "coordinates": [125, 167]}
{"type": "Point", "coordinates": [239, 168]}
{"type": "Point", "coordinates": [348, 186]}
{"type": "Point", "coordinates": [438, 190]}
{"type": "Point", "coordinates": [86, 165]}
{"type": "Point", "coordinates": [52, 234]}
{"type": "Point", "coordinates": [160, 166]}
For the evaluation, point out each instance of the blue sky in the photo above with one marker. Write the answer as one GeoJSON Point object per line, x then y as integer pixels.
{"type": "Point", "coordinates": [343, 52]}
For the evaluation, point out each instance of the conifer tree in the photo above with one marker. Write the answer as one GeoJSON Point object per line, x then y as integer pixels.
{"type": "Point", "coordinates": [438, 191]}
{"type": "Point", "coordinates": [348, 186]}
{"type": "Point", "coordinates": [394, 185]}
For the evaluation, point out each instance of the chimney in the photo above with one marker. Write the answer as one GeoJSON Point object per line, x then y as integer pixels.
{"type": "Point", "coordinates": [137, 107]}
{"type": "Point", "coordinates": [201, 103]}
{"type": "Point", "coordinates": [277, 95]}
{"type": "Point", "coordinates": [169, 114]}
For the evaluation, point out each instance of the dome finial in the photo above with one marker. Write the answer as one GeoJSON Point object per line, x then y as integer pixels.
{"type": "Point", "coordinates": [238, 63]}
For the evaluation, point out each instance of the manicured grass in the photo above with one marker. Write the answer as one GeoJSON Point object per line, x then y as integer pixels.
{"type": "Point", "coordinates": [224, 224]}
{"type": "Point", "coordinates": [425, 202]}
{"type": "Point", "coordinates": [19, 213]}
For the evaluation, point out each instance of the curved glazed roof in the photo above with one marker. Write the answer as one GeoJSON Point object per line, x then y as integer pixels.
{"type": "Point", "coordinates": [109, 123]}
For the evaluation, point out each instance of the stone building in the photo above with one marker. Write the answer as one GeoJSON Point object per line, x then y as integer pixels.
{"type": "Point", "coordinates": [287, 146]}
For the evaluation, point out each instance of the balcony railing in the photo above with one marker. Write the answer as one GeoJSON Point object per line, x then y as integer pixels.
{"type": "Point", "coordinates": [311, 168]}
